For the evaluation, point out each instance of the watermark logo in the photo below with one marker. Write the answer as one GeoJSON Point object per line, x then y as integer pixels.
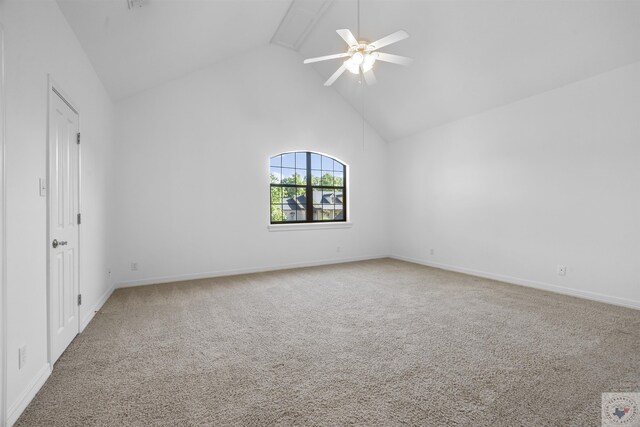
{"type": "Point", "coordinates": [621, 409]}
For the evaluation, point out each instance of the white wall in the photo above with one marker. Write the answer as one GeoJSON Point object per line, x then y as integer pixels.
{"type": "Point", "coordinates": [516, 191]}
{"type": "Point", "coordinates": [193, 186]}
{"type": "Point", "coordinates": [38, 41]}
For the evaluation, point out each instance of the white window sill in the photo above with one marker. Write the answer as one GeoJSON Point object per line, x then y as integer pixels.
{"type": "Point", "coordinates": [309, 226]}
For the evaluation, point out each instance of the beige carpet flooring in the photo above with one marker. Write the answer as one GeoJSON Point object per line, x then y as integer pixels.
{"type": "Point", "coordinates": [375, 343]}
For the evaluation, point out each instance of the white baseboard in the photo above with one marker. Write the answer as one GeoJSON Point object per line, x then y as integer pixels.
{"type": "Point", "coordinates": [14, 412]}
{"type": "Point", "coordinates": [96, 307]}
{"type": "Point", "coordinates": [594, 296]}
{"type": "Point", "coordinates": [528, 283]}
{"type": "Point", "coordinates": [183, 277]}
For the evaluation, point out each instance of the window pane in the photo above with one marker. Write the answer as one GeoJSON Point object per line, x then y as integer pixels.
{"type": "Point", "coordinates": [301, 215]}
{"type": "Point", "coordinates": [327, 178]}
{"type": "Point", "coordinates": [289, 160]}
{"type": "Point", "coordinates": [301, 160]}
{"type": "Point", "coordinates": [289, 209]}
{"type": "Point", "coordinates": [328, 198]}
{"type": "Point", "coordinates": [323, 197]}
{"type": "Point", "coordinates": [316, 177]}
{"type": "Point", "coordinates": [327, 163]}
{"type": "Point", "coordinates": [315, 161]}
{"type": "Point", "coordinates": [276, 161]}
{"type": "Point", "coordinates": [293, 200]}
{"type": "Point", "coordinates": [338, 179]}
{"type": "Point", "coordinates": [276, 195]}
{"type": "Point", "coordinates": [277, 214]}
{"type": "Point", "coordinates": [317, 196]}
{"type": "Point", "coordinates": [287, 193]}
{"type": "Point", "coordinates": [301, 198]}
{"type": "Point", "coordinates": [275, 174]}
{"type": "Point", "coordinates": [301, 176]}
{"type": "Point", "coordinates": [289, 215]}
{"type": "Point", "coordinates": [288, 176]}
{"type": "Point", "coordinates": [338, 167]}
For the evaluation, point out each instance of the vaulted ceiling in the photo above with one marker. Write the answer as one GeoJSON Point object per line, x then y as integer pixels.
{"type": "Point", "coordinates": [133, 50]}
{"type": "Point", "coordinates": [470, 56]}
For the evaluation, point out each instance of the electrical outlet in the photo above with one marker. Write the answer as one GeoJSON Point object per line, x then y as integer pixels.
{"type": "Point", "coordinates": [134, 266]}
{"type": "Point", "coordinates": [562, 270]}
{"type": "Point", "coordinates": [22, 356]}
{"type": "Point", "coordinates": [337, 248]}
{"type": "Point", "coordinates": [432, 251]}
{"type": "Point", "coordinates": [109, 273]}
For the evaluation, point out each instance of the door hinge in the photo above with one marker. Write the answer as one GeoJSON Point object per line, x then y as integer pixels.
{"type": "Point", "coordinates": [78, 137]}
{"type": "Point", "coordinates": [79, 218]}
{"type": "Point", "coordinates": [79, 299]}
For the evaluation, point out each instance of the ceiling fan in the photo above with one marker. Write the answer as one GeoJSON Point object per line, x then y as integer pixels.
{"type": "Point", "coordinates": [363, 55]}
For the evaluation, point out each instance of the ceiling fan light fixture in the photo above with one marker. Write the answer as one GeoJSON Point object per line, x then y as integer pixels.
{"type": "Point", "coordinates": [357, 58]}
{"type": "Point", "coordinates": [362, 56]}
{"type": "Point", "coordinates": [369, 60]}
{"type": "Point", "coordinates": [352, 66]}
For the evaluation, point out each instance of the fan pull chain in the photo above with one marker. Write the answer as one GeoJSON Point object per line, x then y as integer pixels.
{"type": "Point", "coordinates": [363, 89]}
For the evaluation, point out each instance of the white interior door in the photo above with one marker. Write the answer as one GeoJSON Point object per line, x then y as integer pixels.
{"type": "Point", "coordinates": [63, 224]}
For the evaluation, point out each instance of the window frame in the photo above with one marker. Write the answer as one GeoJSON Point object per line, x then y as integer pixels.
{"type": "Point", "coordinates": [309, 187]}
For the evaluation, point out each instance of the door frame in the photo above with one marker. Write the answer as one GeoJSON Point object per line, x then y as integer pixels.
{"type": "Point", "coordinates": [53, 89]}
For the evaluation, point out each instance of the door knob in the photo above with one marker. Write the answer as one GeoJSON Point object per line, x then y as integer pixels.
{"type": "Point", "coordinates": [55, 243]}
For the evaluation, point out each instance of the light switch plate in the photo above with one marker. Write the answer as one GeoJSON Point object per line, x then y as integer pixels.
{"type": "Point", "coordinates": [22, 356]}
{"type": "Point", "coordinates": [43, 187]}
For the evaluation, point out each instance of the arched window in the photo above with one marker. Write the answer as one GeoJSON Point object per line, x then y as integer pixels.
{"type": "Point", "coordinates": [307, 187]}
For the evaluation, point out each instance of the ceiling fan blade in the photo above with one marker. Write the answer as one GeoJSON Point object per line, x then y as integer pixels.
{"type": "Point", "coordinates": [348, 37]}
{"type": "Point", "coordinates": [324, 58]}
{"type": "Point", "coordinates": [370, 78]}
{"type": "Point", "coordinates": [391, 38]}
{"type": "Point", "coordinates": [335, 75]}
{"type": "Point", "coordinates": [396, 59]}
